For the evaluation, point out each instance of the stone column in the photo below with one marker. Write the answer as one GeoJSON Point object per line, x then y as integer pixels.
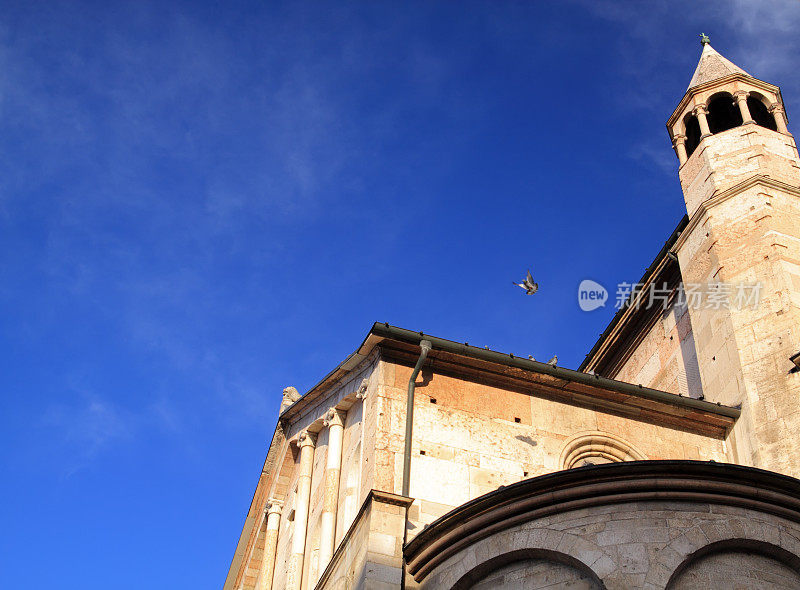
{"type": "Point", "coordinates": [740, 97]}
{"type": "Point", "coordinates": [700, 111]}
{"type": "Point", "coordinates": [294, 577]}
{"type": "Point", "coordinates": [679, 143]}
{"type": "Point", "coordinates": [780, 117]}
{"type": "Point", "coordinates": [334, 420]}
{"type": "Point", "coordinates": [270, 545]}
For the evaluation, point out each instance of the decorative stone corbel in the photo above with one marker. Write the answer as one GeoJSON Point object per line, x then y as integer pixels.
{"type": "Point", "coordinates": [290, 396]}
{"type": "Point", "coordinates": [361, 392]}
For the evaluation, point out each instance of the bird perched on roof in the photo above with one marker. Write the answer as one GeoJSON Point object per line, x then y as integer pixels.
{"type": "Point", "coordinates": [528, 284]}
{"type": "Point", "coordinates": [553, 361]}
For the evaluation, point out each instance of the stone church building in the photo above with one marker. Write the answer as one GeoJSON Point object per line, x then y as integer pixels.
{"type": "Point", "coordinates": [668, 460]}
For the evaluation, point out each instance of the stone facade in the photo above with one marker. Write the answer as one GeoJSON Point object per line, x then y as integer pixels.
{"type": "Point", "coordinates": [637, 471]}
{"type": "Point", "coordinates": [621, 532]}
{"type": "Point", "coordinates": [472, 435]}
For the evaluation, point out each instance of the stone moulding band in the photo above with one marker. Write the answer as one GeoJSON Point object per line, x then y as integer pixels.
{"type": "Point", "coordinates": [613, 483]}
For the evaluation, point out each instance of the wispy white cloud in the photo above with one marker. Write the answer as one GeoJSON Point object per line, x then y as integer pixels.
{"type": "Point", "coordinates": [656, 38]}
{"type": "Point", "coordinates": [768, 34]}
{"type": "Point", "coordinates": [86, 428]}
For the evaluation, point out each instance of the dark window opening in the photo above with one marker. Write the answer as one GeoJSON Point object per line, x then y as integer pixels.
{"type": "Point", "coordinates": [723, 113]}
{"type": "Point", "coordinates": [517, 420]}
{"type": "Point", "coordinates": [760, 114]}
{"type": "Point", "coordinates": [692, 134]}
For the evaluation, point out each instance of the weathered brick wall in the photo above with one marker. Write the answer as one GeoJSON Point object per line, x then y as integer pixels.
{"type": "Point", "coordinates": [476, 438]}
{"type": "Point", "coordinates": [752, 236]}
{"type": "Point", "coordinates": [350, 496]}
{"type": "Point", "coordinates": [666, 357]}
{"type": "Point", "coordinates": [254, 563]}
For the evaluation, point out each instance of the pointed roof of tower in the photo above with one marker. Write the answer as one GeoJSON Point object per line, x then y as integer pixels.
{"type": "Point", "coordinates": [712, 66]}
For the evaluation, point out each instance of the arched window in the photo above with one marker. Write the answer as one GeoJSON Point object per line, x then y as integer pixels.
{"type": "Point", "coordinates": [692, 133]}
{"type": "Point", "coordinates": [723, 113]}
{"type": "Point", "coordinates": [530, 568]}
{"type": "Point", "coordinates": [760, 113]}
{"type": "Point", "coordinates": [740, 563]}
{"type": "Point", "coordinates": [595, 447]}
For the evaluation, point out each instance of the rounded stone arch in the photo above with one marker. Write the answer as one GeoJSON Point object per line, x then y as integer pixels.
{"type": "Point", "coordinates": [542, 558]}
{"type": "Point", "coordinates": [603, 447]}
{"type": "Point", "coordinates": [773, 565]}
{"type": "Point", "coordinates": [723, 113]}
{"type": "Point", "coordinates": [691, 129]}
{"type": "Point", "coordinates": [758, 105]}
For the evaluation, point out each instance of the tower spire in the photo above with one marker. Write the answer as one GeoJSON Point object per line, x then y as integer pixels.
{"type": "Point", "coordinates": [712, 65]}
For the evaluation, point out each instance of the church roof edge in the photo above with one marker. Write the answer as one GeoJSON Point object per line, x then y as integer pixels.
{"type": "Point", "coordinates": [381, 331]}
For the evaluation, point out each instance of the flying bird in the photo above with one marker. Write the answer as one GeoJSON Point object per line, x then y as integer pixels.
{"type": "Point", "coordinates": [528, 284]}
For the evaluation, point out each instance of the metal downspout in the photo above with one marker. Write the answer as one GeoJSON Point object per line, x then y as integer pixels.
{"type": "Point", "coordinates": [425, 347]}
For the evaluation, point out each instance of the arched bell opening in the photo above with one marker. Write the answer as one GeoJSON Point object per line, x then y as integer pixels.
{"type": "Point", "coordinates": [723, 113]}
{"type": "Point", "coordinates": [692, 133]}
{"type": "Point", "coordinates": [759, 111]}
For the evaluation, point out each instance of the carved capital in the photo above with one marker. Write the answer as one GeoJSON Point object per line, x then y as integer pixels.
{"type": "Point", "coordinates": [361, 392]}
{"type": "Point", "coordinates": [307, 439]}
{"type": "Point", "coordinates": [700, 109]}
{"type": "Point", "coordinates": [740, 95]}
{"type": "Point", "coordinates": [273, 507]}
{"type": "Point", "coordinates": [678, 140]}
{"type": "Point", "coordinates": [334, 417]}
{"type": "Point", "coordinates": [776, 108]}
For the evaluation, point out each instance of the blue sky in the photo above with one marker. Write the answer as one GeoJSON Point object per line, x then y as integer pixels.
{"type": "Point", "coordinates": [202, 203]}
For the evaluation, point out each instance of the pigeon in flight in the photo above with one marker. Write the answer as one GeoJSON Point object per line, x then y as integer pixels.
{"type": "Point", "coordinates": [529, 286]}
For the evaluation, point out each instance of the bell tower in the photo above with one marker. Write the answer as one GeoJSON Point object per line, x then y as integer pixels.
{"type": "Point", "coordinates": [740, 176]}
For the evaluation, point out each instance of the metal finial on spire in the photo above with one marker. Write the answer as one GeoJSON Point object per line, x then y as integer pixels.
{"type": "Point", "coordinates": [704, 40]}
